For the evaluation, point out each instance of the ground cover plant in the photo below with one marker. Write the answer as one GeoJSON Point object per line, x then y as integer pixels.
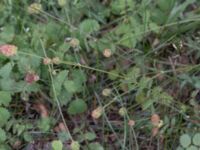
{"type": "Point", "coordinates": [99, 75]}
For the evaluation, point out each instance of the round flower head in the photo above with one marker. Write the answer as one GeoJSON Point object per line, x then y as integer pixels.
{"type": "Point", "coordinates": [8, 50]}
{"type": "Point", "coordinates": [47, 61]}
{"type": "Point", "coordinates": [31, 77]}
{"type": "Point", "coordinates": [106, 92]}
{"type": "Point", "coordinates": [107, 52]}
{"type": "Point", "coordinates": [74, 42]}
{"type": "Point", "coordinates": [56, 60]}
{"type": "Point", "coordinates": [122, 111]}
{"type": "Point", "coordinates": [35, 8]}
{"type": "Point", "coordinates": [97, 112]}
{"type": "Point", "coordinates": [131, 123]}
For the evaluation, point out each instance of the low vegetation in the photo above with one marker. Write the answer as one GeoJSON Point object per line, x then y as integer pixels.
{"type": "Point", "coordinates": [99, 74]}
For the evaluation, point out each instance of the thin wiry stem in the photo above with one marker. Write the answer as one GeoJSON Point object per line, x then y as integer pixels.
{"type": "Point", "coordinates": [55, 94]}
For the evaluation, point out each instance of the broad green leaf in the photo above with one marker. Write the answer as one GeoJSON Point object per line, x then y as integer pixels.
{"type": "Point", "coordinates": [90, 136]}
{"type": "Point", "coordinates": [77, 106]}
{"type": "Point", "coordinates": [27, 137]}
{"type": "Point", "coordinates": [57, 145]}
{"type": "Point", "coordinates": [72, 86]}
{"type": "Point", "coordinates": [6, 70]}
{"type": "Point", "coordinates": [88, 26]}
{"type": "Point", "coordinates": [27, 63]}
{"type": "Point", "coordinates": [179, 148]}
{"type": "Point", "coordinates": [44, 124]}
{"type": "Point", "coordinates": [59, 80]}
{"type": "Point", "coordinates": [22, 86]}
{"type": "Point", "coordinates": [79, 76]}
{"type": "Point", "coordinates": [196, 139]}
{"type": "Point", "coordinates": [185, 140]}
{"type": "Point", "coordinates": [54, 32]}
{"type": "Point", "coordinates": [120, 6]}
{"type": "Point", "coordinates": [63, 136]}
{"type": "Point", "coordinates": [2, 135]}
{"type": "Point", "coordinates": [129, 40]}
{"type": "Point", "coordinates": [64, 97]}
{"type": "Point", "coordinates": [4, 116]}
{"type": "Point", "coordinates": [95, 146]}
{"type": "Point", "coordinates": [123, 28]}
{"type": "Point", "coordinates": [5, 98]}
{"type": "Point", "coordinates": [192, 147]}
{"type": "Point", "coordinates": [8, 84]}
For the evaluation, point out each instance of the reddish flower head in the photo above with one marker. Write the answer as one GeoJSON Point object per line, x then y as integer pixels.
{"type": "Point", "coordinates": [8, 50]}
{"type": "Point", "coordinates": [31, 77]}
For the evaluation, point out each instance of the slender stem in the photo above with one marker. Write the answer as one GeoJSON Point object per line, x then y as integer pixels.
{"type": "Point", "coordinates": [55, 94]}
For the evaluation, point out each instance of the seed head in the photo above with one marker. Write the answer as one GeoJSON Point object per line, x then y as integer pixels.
{"type": "Point", "coordinates": [107, 52]}
{"type": "Point", "coordinates": [47, 61]}
{"type": "Point", "coordinates": [35, 8]}
{"type": "Point", "coordinates": [96, 113]}
{"type": "Point", "coordinates": [74, 42]}
{"type": "Point", "coordinates": [56, 60]}
{"type": "Point", "coordinates": [122, 111]}
{"type": "Point", "coordinates": [106, 92]}
{"type": "Point", "coordinates": [131, 123]}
